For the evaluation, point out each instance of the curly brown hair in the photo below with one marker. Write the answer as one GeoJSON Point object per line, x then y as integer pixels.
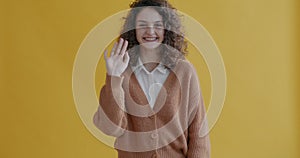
{"type": "Point", "coordinates": [174, 45]}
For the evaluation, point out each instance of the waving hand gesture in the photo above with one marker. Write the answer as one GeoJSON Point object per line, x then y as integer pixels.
{"type": "Point", "coordinates": [118, 60]}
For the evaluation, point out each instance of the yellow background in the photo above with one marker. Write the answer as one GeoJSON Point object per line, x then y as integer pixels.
{"type": "Point", "coordinates": [258, 41]}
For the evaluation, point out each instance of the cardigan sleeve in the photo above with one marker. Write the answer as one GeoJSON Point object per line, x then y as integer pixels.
{"type": "Point", "coordinates": [198, 138]}
{"type": "Point", "coordinates": [110, 116]}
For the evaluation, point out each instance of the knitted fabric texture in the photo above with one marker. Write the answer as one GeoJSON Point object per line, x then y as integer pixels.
{"type": "Point", "coordinates": [176, 127]}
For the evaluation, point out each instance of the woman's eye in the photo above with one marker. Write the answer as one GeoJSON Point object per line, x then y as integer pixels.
{"type": "Point", "coordinates": [158, 26]}
{"type": "Point", "coordinates": [142, 26]}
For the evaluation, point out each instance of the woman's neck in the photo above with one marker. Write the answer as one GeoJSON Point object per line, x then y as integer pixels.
{"type": "Point", "coordinates": [150, 58]}
{"type": "Point", "coordinates": [150, 55]}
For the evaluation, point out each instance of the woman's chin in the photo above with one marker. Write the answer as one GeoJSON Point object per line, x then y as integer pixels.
{"type": "Point", "coordinates": [150, 45]}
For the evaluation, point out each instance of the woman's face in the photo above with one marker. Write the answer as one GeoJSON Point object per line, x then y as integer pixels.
{"type": "Point", "coordinates": [149, 28]}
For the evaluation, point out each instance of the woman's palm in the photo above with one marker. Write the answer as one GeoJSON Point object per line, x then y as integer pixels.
{"type": "Point", "coordinates": [118, 60]}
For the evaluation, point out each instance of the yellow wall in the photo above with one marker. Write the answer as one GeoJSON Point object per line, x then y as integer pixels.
{"type": "Point", "coordinates": [257, 39]}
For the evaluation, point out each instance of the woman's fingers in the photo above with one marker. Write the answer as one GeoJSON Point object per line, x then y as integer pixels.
{"type": "Point", "coordinates": [126, 58]}
{"type": "Point", "coordinates": [113, 51]}
{"type": "Point", "coordinates": [119, 48]}
{"type": "Point", "coordinates": [124, 48]}
{"type": "Point", "coordinates": [118, 51]}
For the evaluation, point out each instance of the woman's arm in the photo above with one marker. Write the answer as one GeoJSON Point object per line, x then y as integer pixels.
{"type": "Point", "coordinates": [110, 117]}
{"type": "Point", "coordinates": [198, 138]}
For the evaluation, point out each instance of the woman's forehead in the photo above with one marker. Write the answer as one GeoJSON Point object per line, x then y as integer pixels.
{"type": "Point", "coordinates": [148, 15]}
{"type": "Point", "coordinates": [144, 21]}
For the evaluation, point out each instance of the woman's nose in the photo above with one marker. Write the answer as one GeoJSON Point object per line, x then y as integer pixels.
{"type": "Point", "coordinates": [150, 30]}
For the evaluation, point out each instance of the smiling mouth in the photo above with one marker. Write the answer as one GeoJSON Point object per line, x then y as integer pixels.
{"type": "Point", "coordinates": [150, 39]}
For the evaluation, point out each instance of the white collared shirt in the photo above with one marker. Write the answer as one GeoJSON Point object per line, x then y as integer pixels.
{"type": "Point", "coordinates": [151, 82]}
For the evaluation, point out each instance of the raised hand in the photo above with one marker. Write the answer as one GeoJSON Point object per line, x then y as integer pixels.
{"type": "Point", "coordinates": [118, 60]}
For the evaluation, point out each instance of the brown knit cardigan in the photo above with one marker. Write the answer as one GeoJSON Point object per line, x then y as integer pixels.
{"type": "Point", "coordinates": [176, 127]}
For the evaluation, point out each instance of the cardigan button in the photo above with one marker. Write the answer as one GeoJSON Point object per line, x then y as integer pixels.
{"type": "Point", "coordinates": [154, 135]}
{"type": "Point", "coordinates": [154, 155]}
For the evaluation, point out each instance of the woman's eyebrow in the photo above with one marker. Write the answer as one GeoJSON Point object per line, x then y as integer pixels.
{"type": "Point", "coordinates": [147, 21]}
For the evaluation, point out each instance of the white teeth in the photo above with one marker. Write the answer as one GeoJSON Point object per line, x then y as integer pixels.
{"type": "Point", "coordinates": [150, 38]}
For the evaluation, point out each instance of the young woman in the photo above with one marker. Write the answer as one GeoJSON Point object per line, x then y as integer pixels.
{"type": "Point", "coordinates": [151, 101]}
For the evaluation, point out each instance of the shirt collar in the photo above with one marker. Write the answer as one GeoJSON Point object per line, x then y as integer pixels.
{"type": "Point", "coordinates": [140, 66]}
